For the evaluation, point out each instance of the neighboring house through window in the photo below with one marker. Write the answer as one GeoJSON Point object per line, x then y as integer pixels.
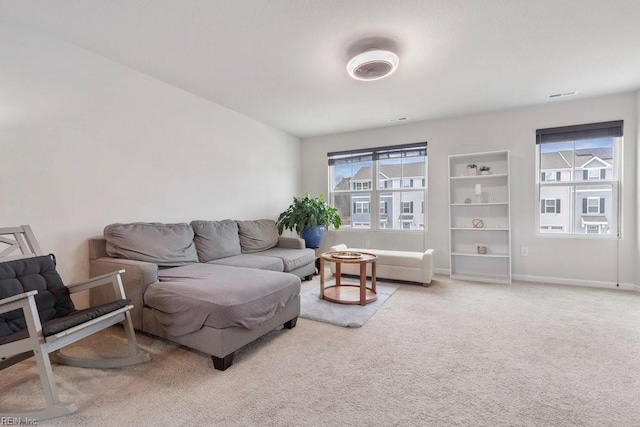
{"type": "Point", "coordinates": [378, 188]}
{"type": "Point", "coordinates": [579, 184]}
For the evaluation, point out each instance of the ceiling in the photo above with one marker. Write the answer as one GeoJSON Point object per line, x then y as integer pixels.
{"type": "Point", "coordinates": [283, 62]}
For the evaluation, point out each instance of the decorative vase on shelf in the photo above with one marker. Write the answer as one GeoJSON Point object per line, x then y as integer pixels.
{"type": "Point", "coordinates": [472, 170]}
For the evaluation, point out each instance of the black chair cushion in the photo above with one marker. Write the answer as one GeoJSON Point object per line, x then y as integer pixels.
{"type": "Point", "coordinates": [76, 318]}
{"type": "Point", "coordinates": [33, 274]}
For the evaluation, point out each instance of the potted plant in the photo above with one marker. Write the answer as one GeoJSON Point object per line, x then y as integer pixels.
{"type": "Point", "coordinates": [472, 169]}
{"type": "Point", "coordinates": [484, 170]}
{"type": "Point", "coordinates": [309, 217]}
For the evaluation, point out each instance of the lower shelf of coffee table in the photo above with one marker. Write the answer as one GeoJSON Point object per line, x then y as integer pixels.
{"type": "Point", "coordinates": [348, 294]}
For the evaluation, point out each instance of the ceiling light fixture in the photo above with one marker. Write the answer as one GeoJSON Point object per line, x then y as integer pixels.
{"type": "Point", "coordinates": [372, 64]}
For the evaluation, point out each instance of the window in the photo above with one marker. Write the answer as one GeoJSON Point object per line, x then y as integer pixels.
{"type": "Point", "coordinates": [550, 206]}
{"type": "Point", "coordinates": [361, 207]}
{"type": "Point", "coordinates": [366, 185]}
{"type": "Point", "coordinates": [378, 188]}
{"type": "Point", "coordinates": [594, 174]}
{"type": "Point", "coordinates": [593, 229]}
{"type": "Point", "coordinates": [593, 205]}
{"type": "Point", "coordinates": [552, 228]}
{"type": "Point", "coordinates": [578, 170]}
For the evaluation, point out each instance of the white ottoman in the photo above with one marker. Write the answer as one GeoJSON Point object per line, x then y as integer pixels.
{"type": "Point", "coordinates": [396, 265]}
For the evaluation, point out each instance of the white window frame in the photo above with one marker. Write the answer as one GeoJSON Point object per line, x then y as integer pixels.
{"type": "Point", "coordinates": [550, 174]}
{"type": "Point", "coordinates": [574, 185]}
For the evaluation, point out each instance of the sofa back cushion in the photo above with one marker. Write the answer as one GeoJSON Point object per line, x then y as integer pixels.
{"type": "Point", "coordinates": [258, 235]}
{"type": "Point", "coordinates": [167, 245]}
{"type": "Point", "coordinates": [216, 239]}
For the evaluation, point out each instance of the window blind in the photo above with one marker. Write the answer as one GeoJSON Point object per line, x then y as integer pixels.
{"type": "Point", "coordinates": [580, 132]}
{"type": "Point", "coordinates": [369, 154]}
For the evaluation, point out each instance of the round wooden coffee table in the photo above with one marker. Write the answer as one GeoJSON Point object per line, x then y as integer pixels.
{"type": "Point", "coordinates": [347, 293]}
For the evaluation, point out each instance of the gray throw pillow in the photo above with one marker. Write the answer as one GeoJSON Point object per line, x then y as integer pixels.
{"type": "Point", "coordinates": [216, 239]}
{"type": "Point", "coordinates": [167, 245]}
{"type": "Point", "coordinates": [258, 235]}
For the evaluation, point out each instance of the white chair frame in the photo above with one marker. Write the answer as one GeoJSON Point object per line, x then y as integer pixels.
{"type": "Point", "coordinates": [47, 349]}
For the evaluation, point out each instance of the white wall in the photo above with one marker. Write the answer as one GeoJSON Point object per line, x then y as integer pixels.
{"type": "Point", "coordinates": [554, 259]}
{"type": "Point", "coordinates": [85, 142]}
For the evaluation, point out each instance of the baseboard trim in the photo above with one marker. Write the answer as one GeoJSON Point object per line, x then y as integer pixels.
{"type": "Point", "coordinates": [577, 282]}
{"type": "Point", "coordinates": [561, 281]}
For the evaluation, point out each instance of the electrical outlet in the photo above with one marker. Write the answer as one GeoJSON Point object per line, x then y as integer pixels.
{"type": "Point", "coordinates": [367, 243]}
{"type": "Point", "coordinates": [524, 251]}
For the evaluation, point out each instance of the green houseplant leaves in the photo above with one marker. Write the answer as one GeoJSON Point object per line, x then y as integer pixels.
{"type": "Point", "coordinates": [308, 212]}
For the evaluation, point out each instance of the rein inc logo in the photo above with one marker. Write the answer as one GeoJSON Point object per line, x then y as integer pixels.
{"type": "Point", "coordinates": [17, 421]}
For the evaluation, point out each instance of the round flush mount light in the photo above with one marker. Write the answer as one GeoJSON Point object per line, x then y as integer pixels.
{"type": "Point", "coordinates": [372, 64]}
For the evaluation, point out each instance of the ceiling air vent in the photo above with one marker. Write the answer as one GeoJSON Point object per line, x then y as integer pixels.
{"type": "Point", "coordinates": [372, 65]}
{"type": "Point", "coordinates": [562, 95]}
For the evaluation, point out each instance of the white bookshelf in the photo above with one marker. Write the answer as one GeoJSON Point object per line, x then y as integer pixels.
{"type": "Point", "coordinates": [491, 206]}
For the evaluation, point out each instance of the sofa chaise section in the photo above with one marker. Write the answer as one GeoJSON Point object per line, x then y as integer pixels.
{"type": "Point", "coordinates": [187, 298]}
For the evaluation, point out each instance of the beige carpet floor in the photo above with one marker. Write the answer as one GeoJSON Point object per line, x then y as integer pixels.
{"type": "Point", "coordinates": [454, 354]}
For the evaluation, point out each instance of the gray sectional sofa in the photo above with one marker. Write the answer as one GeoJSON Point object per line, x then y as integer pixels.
{"type": "Point", "coordinates": [214, 286]}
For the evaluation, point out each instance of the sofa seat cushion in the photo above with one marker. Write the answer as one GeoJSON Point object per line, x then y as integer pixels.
{"type": "Point", "coordinates": [187, 298]}
{"type": "Point", "coordinates": [397, 258]}
{"type": "Point", "coordinates": [291, 258]}
{"type": "Point", "coordinates": [216, 239]}
{"type": "Point", "coordinates": [251, 261]}
{"type": "Point", "coordinates": [166, 245]}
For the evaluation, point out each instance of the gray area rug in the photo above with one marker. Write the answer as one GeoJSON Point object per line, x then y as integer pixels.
{"type": "Point", "coordinates": [347, 315]}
